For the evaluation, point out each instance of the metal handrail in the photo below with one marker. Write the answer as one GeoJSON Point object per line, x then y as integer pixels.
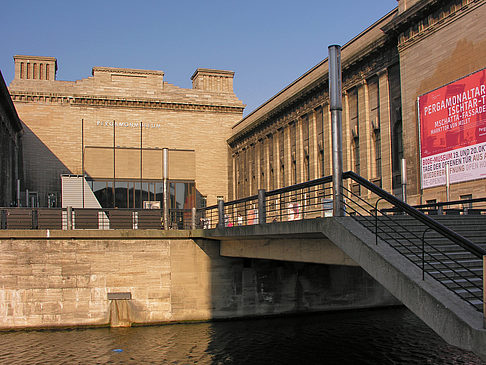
{"type": "Point", "coordinates": [452, 202]}
{"type": "Point", "coordinates": [453, 236]}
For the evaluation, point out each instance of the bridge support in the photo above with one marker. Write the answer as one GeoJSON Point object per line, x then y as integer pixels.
{"type": "Point", "coordinates": [336, 106]}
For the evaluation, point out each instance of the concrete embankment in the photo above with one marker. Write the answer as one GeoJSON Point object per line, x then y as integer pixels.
{"type": "Point", "coordinates": [121, 278]}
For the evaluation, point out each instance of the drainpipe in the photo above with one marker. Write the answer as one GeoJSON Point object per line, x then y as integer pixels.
{"type": "Point", "coordinates": [165, 154]}
{"type": "Point", "coordinates": [404, 180]}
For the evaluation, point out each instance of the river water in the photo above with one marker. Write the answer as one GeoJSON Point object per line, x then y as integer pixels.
{"type": "Point", "coordinates": [375, 337]}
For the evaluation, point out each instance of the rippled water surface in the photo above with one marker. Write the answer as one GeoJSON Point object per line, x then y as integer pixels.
{"type": "Point", "coordinates": [387, 336]}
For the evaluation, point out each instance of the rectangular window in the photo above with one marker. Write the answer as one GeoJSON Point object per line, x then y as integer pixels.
{"type": "Point", "coordinates": [466, 197]}
{"type": "Point", "coordinates": [293, 147]}
{"type": "Point", "coordinates": [281, 146]}
{"type": "Point", "coordinates": [354, 124]}
{"type": "Point", "coordinates": [374, 97]}
{"type": "Point", "coordinates": [305, 137]}
{"type": "Point", "coordinates": [262, 164]}
{"type": "Point", "coordinates": [203, 202]}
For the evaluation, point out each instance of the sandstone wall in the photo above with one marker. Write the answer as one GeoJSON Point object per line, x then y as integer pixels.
{"type": "Point", "coordinates": [450, 47]}
{"type": "Point", "coordinates": [62, 281]}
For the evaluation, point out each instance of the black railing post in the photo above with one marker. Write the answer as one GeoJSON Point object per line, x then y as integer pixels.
{"type": "Point", "coordinates": [484, 291]}
{"type": "Point", "coordinates": [262, 211]}
{"type": "Point", "coordinates": [193, 218]}
{"type": "Point", "coordinates": [69, 217]}
{"type": "Point", "coordinates": [3, 219]}
{"type": "Point", "coordinates": [376, 221]}
{"type": "Point", "coordinates": [423, 253]}
{"type": "Point", "coordinates": [35, 219]}
{"type": "Point", "coordinates": [221, 213]}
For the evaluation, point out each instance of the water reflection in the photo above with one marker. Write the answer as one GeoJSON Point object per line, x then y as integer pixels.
{"type": "Point", "coordinates": [391, 336]}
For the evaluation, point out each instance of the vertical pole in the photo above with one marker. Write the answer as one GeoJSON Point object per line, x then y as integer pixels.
{"type": "Point", "coordinates": [165, 154]}
{"type": "Point", "coordinates": [448, 182]}
{"type": "Point", "coordinates": [141, 167]}
{"type": "Point", "coordinates": [18, 192]}
{"type": "Point", "coordinates": [262, 211]}
{"type": "Point", "coordinates": [82, 156]}
{"type": "Point", "coordinates": [404, 180]}
{"type": "Point", "coordinates": [193, 218]}
{"type": "Point", "coordinates": [27, 198]}
{"type": "Point", "coordinates": [69, 211]}
{"type": "Point", "coordinates": [336, 106]}
{"type": "Point", "coordinates": [114, 175]}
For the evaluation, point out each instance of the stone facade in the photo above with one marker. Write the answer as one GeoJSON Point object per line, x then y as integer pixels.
{"type": "Point", "coordinates": [288, 139]}
{"type": "Point", "coordinates": [64, 280]}
{"type": "Point", "coordinates": [10, 148]}
{"type": "Point", "coordinates": [419, 46]}
{"type": "Point", "coordinates": [444, 42]}
{"type": "Point", "coordinates": [73, 127]}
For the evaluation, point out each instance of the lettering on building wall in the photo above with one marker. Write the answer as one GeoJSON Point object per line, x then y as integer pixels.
{"type": "Point", "coordinates": [127, 124]}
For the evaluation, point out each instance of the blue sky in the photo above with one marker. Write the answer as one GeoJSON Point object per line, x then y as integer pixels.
{"type": "Point", "coordinates": [268, 44]}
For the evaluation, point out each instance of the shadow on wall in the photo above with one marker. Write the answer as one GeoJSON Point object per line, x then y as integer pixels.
{"type": "Point", "coordinates": [454, 67]}
{"type": "Point", "coordinates": [254, 287]}
{"type": "Point", "coordinates": [42, 169]}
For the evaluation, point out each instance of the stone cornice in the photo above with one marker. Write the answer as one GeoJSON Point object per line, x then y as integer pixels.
{"type": "Point", "coordinates": [428, 24]}
{"type": "Point", "coordinates": [34, 58]}
{"type": "Point", "coordinates": [374, 59]}
{"type": "Point", "coordinates": [411, 15]}
{"type": "Point", "coordinates": [99, 101]}
{"type": "Point", "coordinates": [357, 51]}
{"type": "Point", "coordinates": [212, 71]}
{"type": "Point", "coordinates": [8, 106]}
{"type": "Point", "coordinates": [116, 70]}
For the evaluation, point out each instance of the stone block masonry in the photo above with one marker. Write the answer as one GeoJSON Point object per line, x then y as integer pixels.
{"type": "Point", "coordinates": [64, 281]}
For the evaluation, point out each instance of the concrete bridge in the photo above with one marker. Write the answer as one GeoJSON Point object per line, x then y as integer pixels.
{"type": "Point", "coordinates": [344, 241]}
{"type": "Point", "coordinates": [435, 267]}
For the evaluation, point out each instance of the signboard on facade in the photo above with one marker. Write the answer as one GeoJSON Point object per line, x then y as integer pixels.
{"type": "Point", "coordinates": [452, 122]}
{"type": "Point", "coordinates": [151, 204]}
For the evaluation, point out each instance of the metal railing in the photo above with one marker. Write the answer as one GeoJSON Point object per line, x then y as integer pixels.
{"type": "Point", "coordinates": [306, 200]}
{"type": "Point", "coordinates": [86, 218]}
{"type": "Point", "coordinates": [437, 250]}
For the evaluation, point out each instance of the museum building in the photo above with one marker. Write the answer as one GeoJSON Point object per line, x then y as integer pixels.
{"type": "Point", "coordinates": [413, 91]}
{"type": "Point", "coordinates": [427, 49]}
{"type": "Point", "coordinates": [112, 129]}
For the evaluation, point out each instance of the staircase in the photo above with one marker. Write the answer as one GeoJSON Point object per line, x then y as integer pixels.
{"type": "Point", "coordinates": [456, 268]}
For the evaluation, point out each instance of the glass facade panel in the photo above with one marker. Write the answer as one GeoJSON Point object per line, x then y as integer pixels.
{"type": "Point", "coordinates": [132, 194]}
{"type": "Point", "coordinates": [121, 194]}
{"type": "Point", "coordinates": [159, 193]}
{"type": "Point", "coordinates": [103, 190]}
{"type": "Point", "coordinates": [180, 195]}
{"type": "Point", "coordinates": [172, 192]}
{"type": "Point", "coordinates": [145, 192]}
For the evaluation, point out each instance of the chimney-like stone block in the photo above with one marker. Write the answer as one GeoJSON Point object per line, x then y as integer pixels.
{"type": "Point", "coordinates": [213, 80]}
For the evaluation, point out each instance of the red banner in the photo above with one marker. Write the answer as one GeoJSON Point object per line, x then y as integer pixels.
{"type": "Point", "coordinates": [453, 131]}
